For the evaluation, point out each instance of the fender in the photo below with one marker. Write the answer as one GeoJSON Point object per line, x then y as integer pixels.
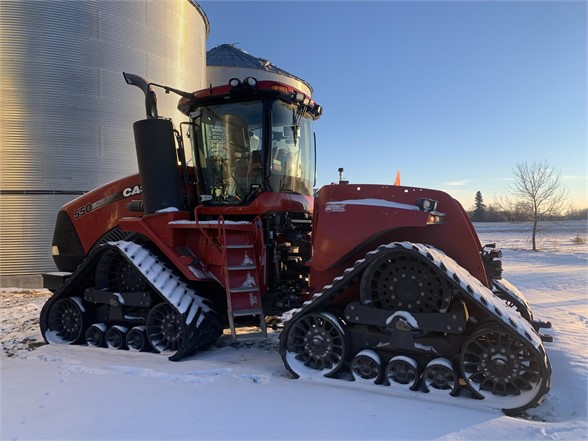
{"type": "Point", "coordinates": [92, 218]}
{"type": "Point", "coordinates": [350, 220]}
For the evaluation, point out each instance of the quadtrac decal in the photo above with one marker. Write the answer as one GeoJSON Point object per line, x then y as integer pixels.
{"type": "Point", "coordinates": [89, 207]}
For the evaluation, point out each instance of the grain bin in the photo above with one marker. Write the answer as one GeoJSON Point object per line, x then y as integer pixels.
{"type": "Point", "coordinates": [227, 61]}
{"type": "Point", "coordinates": [67, 114]}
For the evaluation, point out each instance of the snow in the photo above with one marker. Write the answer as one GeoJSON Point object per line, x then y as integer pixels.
{"type": "Point", "coordinates": [202, 275]}
{"type": "Point", "coordinates": [423, 347]}
{"type": "Point", "coordinates": [168, 210]}
{"type": "Point", "coordinates": [242, 390]}
{"type": "Point", "coordinates": [101, 326]}
{"type": "Point", "coordinates": [249, 282]}
{"type": "Point", "coordinates": [60, 273]}
{"type": "Point", "coordinates": [169, 285]}
{"type": "Point", "coordinates": [339, 206]}
{"type": "Point", "coordinates": [120, 298]}
{"type": "Point", "coordinates": [407, 316]}
{"type": "Point", "coordinates": [247, 261]}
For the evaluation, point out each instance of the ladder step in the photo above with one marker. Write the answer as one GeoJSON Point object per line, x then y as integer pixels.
{"type": "Point", "coordinates": [240, 289]}
{"type": "Point", "coordinates": [242, 312]}
{"type": "Point", "coordinates": [244, 299]}
{"type": "Point", "coordinates": [241, 267]}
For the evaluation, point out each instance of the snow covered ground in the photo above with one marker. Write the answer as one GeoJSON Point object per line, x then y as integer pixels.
{"type": "Point", "coordinates": [242, 391]}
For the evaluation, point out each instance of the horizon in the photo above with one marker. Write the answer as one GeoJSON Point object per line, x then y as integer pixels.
{"type": "Point", "coordinates": [452, 94]}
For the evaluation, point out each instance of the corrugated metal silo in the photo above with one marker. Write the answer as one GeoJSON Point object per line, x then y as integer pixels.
{"type": "Point", "coordinates": [227, 61]}
{"type": "Point", "coordinates": [66, 114]}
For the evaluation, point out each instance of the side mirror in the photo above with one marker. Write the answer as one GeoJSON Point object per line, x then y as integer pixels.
{"type": "Point", "coordinates": [150, 97]}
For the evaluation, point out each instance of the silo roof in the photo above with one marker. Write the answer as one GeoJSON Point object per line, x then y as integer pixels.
{"type": "Point", "coordinates": [227, 55]}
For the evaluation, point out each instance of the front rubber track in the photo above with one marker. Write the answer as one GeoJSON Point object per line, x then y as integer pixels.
{"type": "Point", "coordinates": [465, 287]}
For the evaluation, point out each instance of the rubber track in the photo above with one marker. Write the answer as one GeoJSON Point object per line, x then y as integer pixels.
{"type": "Point", "coordinates": [466, 286]}
{"type": "Point", "coordinates": [202, 323]}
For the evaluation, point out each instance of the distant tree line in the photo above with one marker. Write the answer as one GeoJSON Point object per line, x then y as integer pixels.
{"type": "Point", "coordinates": [535, 194]}
{"type": "Point", "coordinates": [493, 213]}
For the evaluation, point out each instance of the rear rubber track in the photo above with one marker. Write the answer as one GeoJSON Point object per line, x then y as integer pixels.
{"type": "Point", "coordinates": [199, 324]}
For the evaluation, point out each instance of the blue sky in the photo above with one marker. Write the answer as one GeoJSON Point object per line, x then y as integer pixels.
{"type": "Point", "coordinates": [451, 93]}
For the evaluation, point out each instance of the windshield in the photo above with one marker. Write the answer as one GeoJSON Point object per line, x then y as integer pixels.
{"type": "Point", "coordinates": [229, 144]}
{"type": "Point", "coordinates": [229, 139]}
{"type": "Point", "coordinates": [292, 155]}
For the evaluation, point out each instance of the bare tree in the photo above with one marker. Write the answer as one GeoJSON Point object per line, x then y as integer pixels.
{"type": "Point", "coordinates": [536, 193]}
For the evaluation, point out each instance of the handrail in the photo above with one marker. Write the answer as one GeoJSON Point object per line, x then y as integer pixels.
{"type": "Point", "coordinates": [259, 238]}
{"type": "Point", "coordinates": [203, 230]}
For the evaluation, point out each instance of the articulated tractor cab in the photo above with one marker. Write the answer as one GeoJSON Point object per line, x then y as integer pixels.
{"type": "Point", "coordinates": [382, 284]}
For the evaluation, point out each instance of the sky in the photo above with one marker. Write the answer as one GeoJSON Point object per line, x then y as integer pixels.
{"type": "Point", "coordinates": [452, 94]}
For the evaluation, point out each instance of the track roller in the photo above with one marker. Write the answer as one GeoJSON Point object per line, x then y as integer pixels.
{"type": "Point", "coordinates": [137, 339]}
{"type": "Point", "coordinates": [65, 322]}
{"type": "Point", "coordinates": [402, 371]}
{"type": "Point", "coordinates": [440, 376]}
{"type": "Point", "coordinates": [95, 335]}
{"type": "Point", "coordinates": [366, 366]}
{"type": "Point", "coordinates": [402, 280]}
{"type": "Point", "coordinates": [116, 337]}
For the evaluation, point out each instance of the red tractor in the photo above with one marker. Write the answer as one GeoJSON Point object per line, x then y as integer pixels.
{"type": "Point", "coordinates": [386, 284]}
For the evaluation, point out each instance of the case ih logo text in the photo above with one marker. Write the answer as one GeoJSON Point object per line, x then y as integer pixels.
{"type": "Point", "coordinates": [131, 191]}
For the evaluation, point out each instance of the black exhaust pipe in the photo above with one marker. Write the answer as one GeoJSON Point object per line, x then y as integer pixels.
{"type": "Point", "coordinates": [156, 155]}
{"type": "Point", "coordinates": [150, 98]}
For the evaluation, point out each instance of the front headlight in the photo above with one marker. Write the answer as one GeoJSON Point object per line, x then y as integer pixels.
{"type": "Point", "coordinates": [426, 204]}
{"type": "Point", "coordinates": [435, 218]}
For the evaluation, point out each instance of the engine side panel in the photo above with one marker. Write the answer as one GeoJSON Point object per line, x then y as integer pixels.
{"type": "Point", "coordinates": [352, 219]}
{"type": "Point", "coordinates": [92, 215]}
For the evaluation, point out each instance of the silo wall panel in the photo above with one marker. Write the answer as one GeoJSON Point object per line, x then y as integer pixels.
{"type": "Point", "coordinates": [67, 113]}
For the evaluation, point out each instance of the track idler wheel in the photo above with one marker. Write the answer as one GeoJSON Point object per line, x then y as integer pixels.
{"type": "Point", "coordinates": [116, 337]}
{"type": "Point", "coordinates": [137, 339]}
{"type": "Point", "coordinates": [166, 328]}
{"type": "Point", "coordinates": [65, 322]}
{"type": "Point", "coordinates": [440, 376]}
{"type": "Point", "coordinates": [366, 366]}
{"type": "Point", "coordinates": [503, 369]}
{"type": "Point", "coordinates": [115, 273]}
{"type": "Point", "coordinates": [316, 345]}
{"type": "Point", "coordinates": [95, 335]}
{"type": "Point", "coordinates": [404, 280]}
{"type": "Point", "coordinates": [402, 371]}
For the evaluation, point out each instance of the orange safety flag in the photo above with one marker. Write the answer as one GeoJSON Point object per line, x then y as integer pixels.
{"type": "Point", "coordinates": [397, 180]}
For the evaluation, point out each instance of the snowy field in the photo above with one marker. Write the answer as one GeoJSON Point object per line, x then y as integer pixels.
{"type": "Point", "coordinates": [242, 391]}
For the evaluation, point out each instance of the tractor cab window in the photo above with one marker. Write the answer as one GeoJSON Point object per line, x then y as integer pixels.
{"type": "Point", "coordinates": [292, 150]}
{"type": "Point", "coordinates": [229, 141]}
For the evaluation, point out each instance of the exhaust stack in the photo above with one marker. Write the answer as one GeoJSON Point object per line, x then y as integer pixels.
{"type": "Point", "coordinates": [156, 154]}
